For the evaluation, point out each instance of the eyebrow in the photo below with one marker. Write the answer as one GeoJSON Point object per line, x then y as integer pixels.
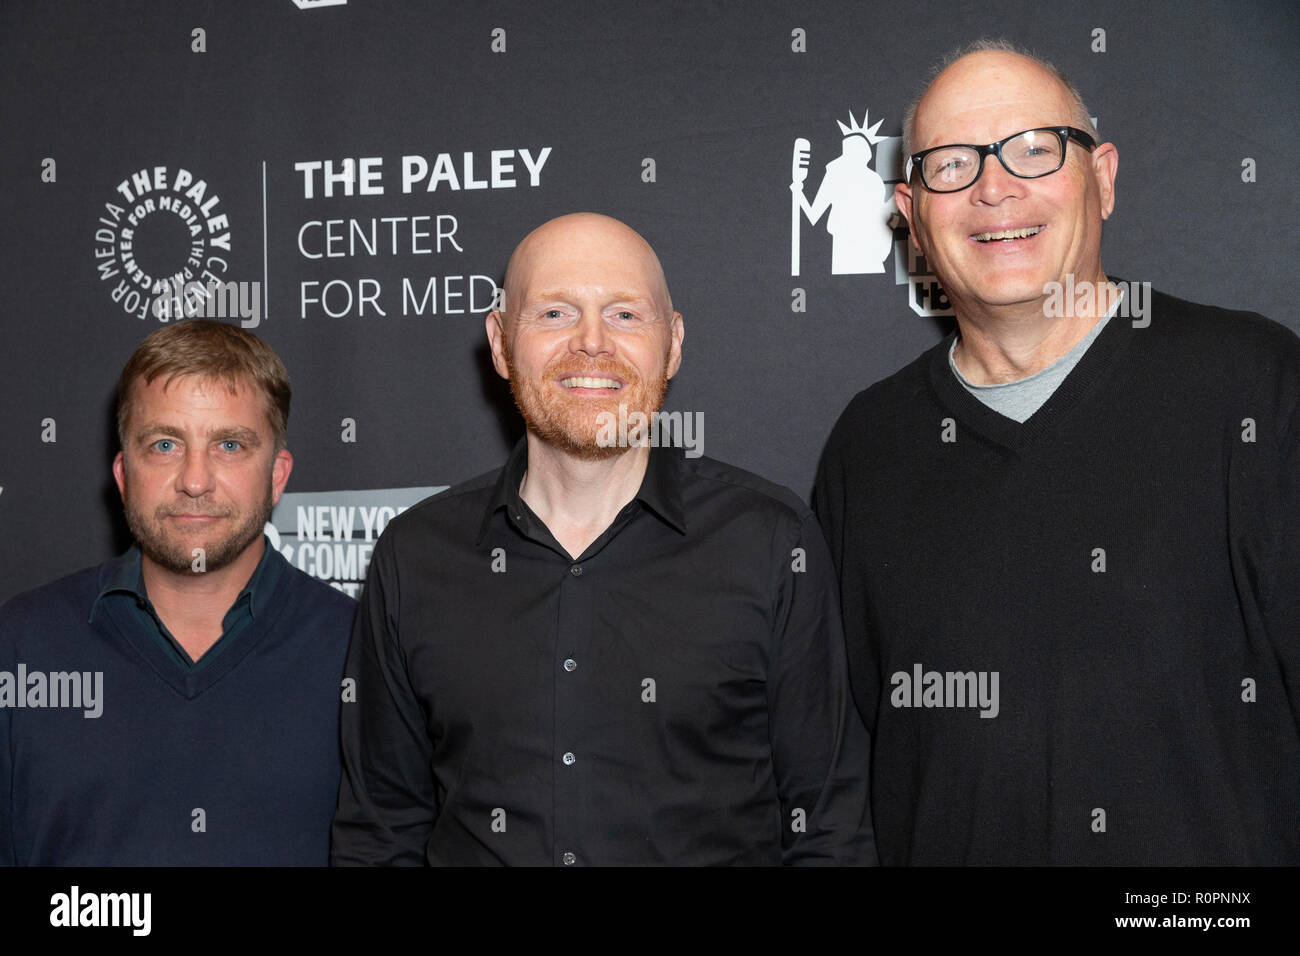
{"type": "Point", "coordinates": [224, 433]}
{"type": "Point", "coordinates": [565, 296]}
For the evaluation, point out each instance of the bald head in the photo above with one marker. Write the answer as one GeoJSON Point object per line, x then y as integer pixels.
{"type": "Point", "coordinates": [999, 79]}
{"type": "Point", "coordinates": [982, 97]}
{"type": "Point", "coordinates": [610, 253]}
{"type": "Point", "coordinates": [587, 330]}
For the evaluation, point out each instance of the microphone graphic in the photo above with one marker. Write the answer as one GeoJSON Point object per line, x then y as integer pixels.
{"type": "Point", "coordinates": [798, 174]}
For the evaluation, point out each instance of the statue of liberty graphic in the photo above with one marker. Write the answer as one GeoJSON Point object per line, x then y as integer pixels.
{"type": "Point", "coordinates": [860, 205]}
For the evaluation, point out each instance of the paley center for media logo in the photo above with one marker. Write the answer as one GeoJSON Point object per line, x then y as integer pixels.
{"type": "Point", "coordinates": [856, 196]}
{"type": "Point", "coordinates": [162, 244]}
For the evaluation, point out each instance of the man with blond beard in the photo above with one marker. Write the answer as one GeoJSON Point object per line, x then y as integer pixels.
{"type": "Point", "coordinates": [602, 653]}
{"type": "Point", "coordinates": [204, 669]}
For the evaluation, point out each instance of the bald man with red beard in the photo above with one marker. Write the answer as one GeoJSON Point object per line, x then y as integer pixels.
{"type": "Point", "coordinates": [605, 652]}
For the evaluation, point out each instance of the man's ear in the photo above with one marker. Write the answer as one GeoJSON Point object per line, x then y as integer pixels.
{"type": "Point", "coordinates": [678, 331]}
{"type": "Point", "coordinates": [280, 469]}
{"type": "Point", "coordinates": [119, 474]}
{"type": "Point", "coordinates": [903, 200]}
{"type": "Point", "coordinates": [496, 333]}
{"type": "Point", "coordinates": [1105, 163]}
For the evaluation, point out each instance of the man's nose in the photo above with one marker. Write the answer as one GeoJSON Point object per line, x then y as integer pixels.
{"type": "Point", "coordinates": [591, 334]}
{"type": "Point", "coordinates": [996, 183]}
{"type": "Point", "coordinates": [196, 477]}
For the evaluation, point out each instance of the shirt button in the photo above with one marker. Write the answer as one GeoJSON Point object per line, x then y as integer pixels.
{"type": "Point", "coordinates": [569, 759]}
{"type": "Point", "coordinates": [570, 665]}
{"type": "Point", "coordinates": [576, 570]}
{"type": "Point", "coordinates": [570, 859]}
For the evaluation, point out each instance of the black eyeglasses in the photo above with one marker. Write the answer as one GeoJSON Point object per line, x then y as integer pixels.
{"type": "Point", "coordinates": [1033, 153]}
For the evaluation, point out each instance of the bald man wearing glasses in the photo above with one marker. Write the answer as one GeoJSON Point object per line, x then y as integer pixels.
{"type": "Point", "coordinates": [1068, 536]}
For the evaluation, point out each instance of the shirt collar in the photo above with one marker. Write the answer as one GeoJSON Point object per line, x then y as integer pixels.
{"type": "Point", "coordinates": [124, 575]}
{"type": "Point", "coordinates": [661, 488]}
{"type": "Point", "coordinates": [660, 491]}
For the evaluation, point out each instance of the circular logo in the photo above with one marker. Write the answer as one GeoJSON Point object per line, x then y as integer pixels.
{"type": "Point", "coordinates": [162, 244]}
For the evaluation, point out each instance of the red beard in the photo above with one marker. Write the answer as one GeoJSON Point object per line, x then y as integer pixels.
{"type": "Point", "coordinates": [571, 423]}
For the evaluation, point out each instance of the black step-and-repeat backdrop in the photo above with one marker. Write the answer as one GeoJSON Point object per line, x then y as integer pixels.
{"type": "Point", "coordinates": [356, 172]}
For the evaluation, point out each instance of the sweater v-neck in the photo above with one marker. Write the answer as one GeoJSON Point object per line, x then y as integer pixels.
{"type": "Point", "coordinates": [190, 682]}
{"type": "Point", "coordinates": [1008, 433]}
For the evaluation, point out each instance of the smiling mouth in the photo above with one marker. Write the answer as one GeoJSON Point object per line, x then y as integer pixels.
{"type": "Point", "coordinates": [590, 381]}
{"type": "Point", "coordinates": [1006, 235]}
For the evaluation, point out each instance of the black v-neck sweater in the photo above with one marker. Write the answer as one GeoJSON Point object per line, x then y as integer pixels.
{"type": "Point", "coordinates": [1123, 569]}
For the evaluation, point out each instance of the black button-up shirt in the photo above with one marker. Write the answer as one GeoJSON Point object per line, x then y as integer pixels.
{"type": "Point", "coordinates": [678, 694]}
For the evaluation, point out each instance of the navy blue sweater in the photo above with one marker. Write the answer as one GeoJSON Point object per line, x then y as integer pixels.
{"type": "Point", "coordinates": [231, 761]}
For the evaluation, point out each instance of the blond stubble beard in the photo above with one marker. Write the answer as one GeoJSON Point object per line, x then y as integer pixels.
{"type": "Point", "coordinates": [169, 552]}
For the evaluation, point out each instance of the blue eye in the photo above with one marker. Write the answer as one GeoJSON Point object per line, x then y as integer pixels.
{"type": "Point", "coordinates": [230, 445]}
{"type": "Point", "coordinates": [164, 444]}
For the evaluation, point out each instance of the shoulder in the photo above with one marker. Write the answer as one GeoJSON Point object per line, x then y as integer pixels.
{"type": "Point", "coordinates": [318, 595]}
{"type": "Point", "coordinates": [308, 611]}
{"type": "Point", "coordinates": [55, 611]}
{"type": "Point", "coordinates": [1242, 352]}
{"type": "Point", "coordinates": [896, 391]}
{"type": "Point", "coordinates": [459, 508]}
{"type": "Point", "coordinates": [1219, 330]}
{"type": "Point", "coordinates": [72, 594]}
{"type": "Point", "coordinates": [741, 490]}
{"type": "Point", "coordinates": [889, 405]}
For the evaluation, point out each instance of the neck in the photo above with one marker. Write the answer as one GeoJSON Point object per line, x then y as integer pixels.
{"type": "Point", "coordinates": [997, 345]}
{"type": "Point", "coordinates": [193, 606]}
{"type": "Point", "coordinates": [578, 499]}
